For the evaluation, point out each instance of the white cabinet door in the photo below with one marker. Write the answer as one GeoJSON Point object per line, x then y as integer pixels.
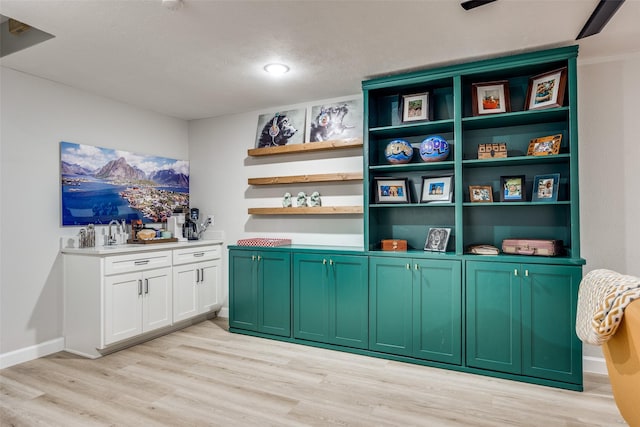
{"type": "Point", "coordinates": [209, 287]}
{"type": "Point", "coordinates": [185, 292]}
{"type": "Point", "coordinates": [122, 307]}
{"type": "Point", "coordinates": [157, 297]}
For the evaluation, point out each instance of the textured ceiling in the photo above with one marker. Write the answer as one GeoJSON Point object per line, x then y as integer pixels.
{"type": "Point", "coordinates": [205, 59]}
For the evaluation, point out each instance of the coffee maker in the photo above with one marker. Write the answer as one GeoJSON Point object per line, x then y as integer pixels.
{"type": "Point", "coordinates": [190, 226]}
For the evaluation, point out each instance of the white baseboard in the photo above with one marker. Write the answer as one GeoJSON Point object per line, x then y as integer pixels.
{"type": "Point", "coordinates": [594, 365]}
{"type": "Point", "coordinates": [30, 353]}
{"type": "Point", "coordinates": [224, 312]}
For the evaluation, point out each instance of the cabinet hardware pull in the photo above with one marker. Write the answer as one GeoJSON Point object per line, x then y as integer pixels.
{"type": "Point", "coordinates": [408, 267]}
{"type": "Point", "coordinates": [253, 257]}
{"type": "Point", "coordinates": [416, 266]}
{"type": "Point", "coordinates": [199, 254]}
{"type": "Point", "coordinates": [202, 274]}
{"type": "Point", "coordinates": [146, 286]}
{"type": "Point", "coordinates": [330, 262]}
{"type": "Point", "coordinates": [197, 275]}
{"type": "Point", "coordinates": [141, 262]}
{"type": "Point", "coordinates": [324, 262]}
{"type": "Point", "coordinates": [259, 258]}
{"type": "Point", "coordinates": [515, 271]}
{"type": "Point", "coordinates": [526, 273]}
{"type": "Point", "coordinates": [139, 287]}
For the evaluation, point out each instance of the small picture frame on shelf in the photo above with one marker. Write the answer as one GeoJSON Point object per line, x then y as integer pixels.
{"type": "Point", "coordinates": [497, 150]}
{"type": "Point", "coordinates": [545, 146]}
{"type": "Point", "coordinates": [437, 239]}
{"type": "Point", "coordinates": [490, 97]}
{"type": "Point", "coordinates": [436, 189]}
{"type": "Point", "coordinates": [415, 107]}
{"type": "Point", "coordinates": [545, 188]}
{"type": "Point", "coordinates": [546, 90]}
{"type": "Point", "coordinates": [512, 188]}
{"type": "Point", "coordinates": [391, 190]}
{"type": "Point", "coordinates": [481, 194]}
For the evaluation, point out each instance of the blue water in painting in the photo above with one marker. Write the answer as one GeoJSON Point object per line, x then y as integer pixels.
{"type": "Point", "coordinates": [97, 202]}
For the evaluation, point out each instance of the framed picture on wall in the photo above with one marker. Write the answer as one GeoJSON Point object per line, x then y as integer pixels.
{"type": "Point", "coordinates": [280, 128]}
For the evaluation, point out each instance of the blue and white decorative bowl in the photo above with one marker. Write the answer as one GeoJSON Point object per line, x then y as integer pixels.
{"type": "Point", "coordinates": [398, 152]}
{"type": "Point", "coordinates": [434, 149]}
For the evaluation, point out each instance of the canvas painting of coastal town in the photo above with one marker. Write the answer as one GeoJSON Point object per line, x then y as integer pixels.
{"type": "Point", "coordinates": [101, 184]}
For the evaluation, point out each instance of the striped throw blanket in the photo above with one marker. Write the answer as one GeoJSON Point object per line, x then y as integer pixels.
{"type": "Point", "coordinates": [602, 298]}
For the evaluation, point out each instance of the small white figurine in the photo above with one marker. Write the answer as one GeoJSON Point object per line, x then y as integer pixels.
{"type": "Point", "coordinates": [286, 200]}
{"type": "Point", "coordinates": [315, 201]}
{"type": "Point", "coordinates": [302, 199]}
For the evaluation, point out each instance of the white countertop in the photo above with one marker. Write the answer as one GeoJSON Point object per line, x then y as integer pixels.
{"type": "Point", "coordinates": [130, 248]}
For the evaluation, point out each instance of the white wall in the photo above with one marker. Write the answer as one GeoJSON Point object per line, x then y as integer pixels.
{"type": "Point", "coordinates": [36, 115]}
{"type": "Point", "coordinates": [220, 168]}
{"type": "Point", "coordinates": [609, 132]}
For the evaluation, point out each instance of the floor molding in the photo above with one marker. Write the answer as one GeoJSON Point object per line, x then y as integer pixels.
{"type": "Point", "coordinates": [30, 353]}
{"type": "Point", "coordinates": [595, 365]}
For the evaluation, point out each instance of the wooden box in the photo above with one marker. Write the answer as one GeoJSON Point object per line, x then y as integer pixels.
{"type": "Point", "coordinates": [492, 151]}
{"type": "Point", "coordinates": [394, 245]}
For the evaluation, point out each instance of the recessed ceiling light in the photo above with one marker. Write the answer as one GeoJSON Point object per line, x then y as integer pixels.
{"type": "Point", "coordinates": [276, 69]}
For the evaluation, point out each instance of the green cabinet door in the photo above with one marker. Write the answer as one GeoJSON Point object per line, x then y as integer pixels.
{"type": "Point", "coordinates": [493, 316]}
{"type": "Point", "coordinates": [437, 310]}
{"type": "Point", "coordinates": [330, 298]}
{"type": "Point", "coordinates": [243, 290]}
{"type": "Point", "coordinates": [415, 308]}
{"type": "Point", "coordinates": [550, 347]}
{"type": "Point", "coordinates": [521, 319]}
{"type": "Point", "coordinates": [390, 305]}
{"type": "Point", "coordinates": [260, 291]}
{"type": "Point", "coordinates": [274, 293]}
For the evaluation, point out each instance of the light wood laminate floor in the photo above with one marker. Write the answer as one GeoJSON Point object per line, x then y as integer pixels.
{"type": "Point", "coordinates": [205, 376]}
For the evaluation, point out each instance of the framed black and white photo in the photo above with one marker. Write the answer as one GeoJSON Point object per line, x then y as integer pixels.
{"type": "Point", "coordinates": [437, 239]}
{"type": "Point", "coordinates": [436, 189]}
{"type": "Point", "coordinates": [545, 188]}
{"type": "Point", "coordinates": [415, 107]}
{"type": "Point", "coordinates": [280, 128]}
{"type": "Point", "coordinates": [391, 190]}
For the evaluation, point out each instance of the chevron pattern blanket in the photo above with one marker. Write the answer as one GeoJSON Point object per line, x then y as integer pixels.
{"type": "Point", "coordinates": [602, 298]}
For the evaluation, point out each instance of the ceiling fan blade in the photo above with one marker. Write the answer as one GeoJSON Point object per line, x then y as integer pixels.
{"type": "Point", "coordinates": [599, 18]}
{"type": "Point", "coordinates": [472, 4]}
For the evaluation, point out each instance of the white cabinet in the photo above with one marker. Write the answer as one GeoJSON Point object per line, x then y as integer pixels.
{"type": "Point", "coordinates": [118, 296]}
{"type": "Point", "coordinates": [135, 303]}
{"type": "Point", "coordinates": [197, 277]}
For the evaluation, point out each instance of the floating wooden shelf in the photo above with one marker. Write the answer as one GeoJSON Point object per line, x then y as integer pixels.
{"type": "Point", "coordinates": [308, 147]}
{"type": "Point", "coordinates": [323, 177]}
{"type": "Point", "coordinates": [320, 210]}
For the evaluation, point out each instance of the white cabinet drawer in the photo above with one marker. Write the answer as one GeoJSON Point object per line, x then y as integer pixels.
{"type": "Point", "coordinates": [136, 262]}
{"type": "Point", "coordinates": [200, 253]}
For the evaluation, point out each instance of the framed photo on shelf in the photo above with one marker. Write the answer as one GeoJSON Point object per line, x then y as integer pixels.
{"type": "Point", "coordinates": [415, 107]}
{"type": "Point", "coordinates": [481, 193]}
{"type": "Point", "coordinates": [391, 190]}
{"type": "Point", "coordinates": [437, 239]}
{"type": "Point", "coordinates": [545, 146]}
{"type": "Point", "coordinates": [280, 128]}
{"type": "Point", "coordinates": [512, 188]}
{"type": "Point", "coordinates": [490, 97]}
{"type": "Point", "coordinates": [436, 189]}
{"type": "Point", "coordinates": [545, 188]}
{"type": "Point", "coordinates": [546, 90]}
